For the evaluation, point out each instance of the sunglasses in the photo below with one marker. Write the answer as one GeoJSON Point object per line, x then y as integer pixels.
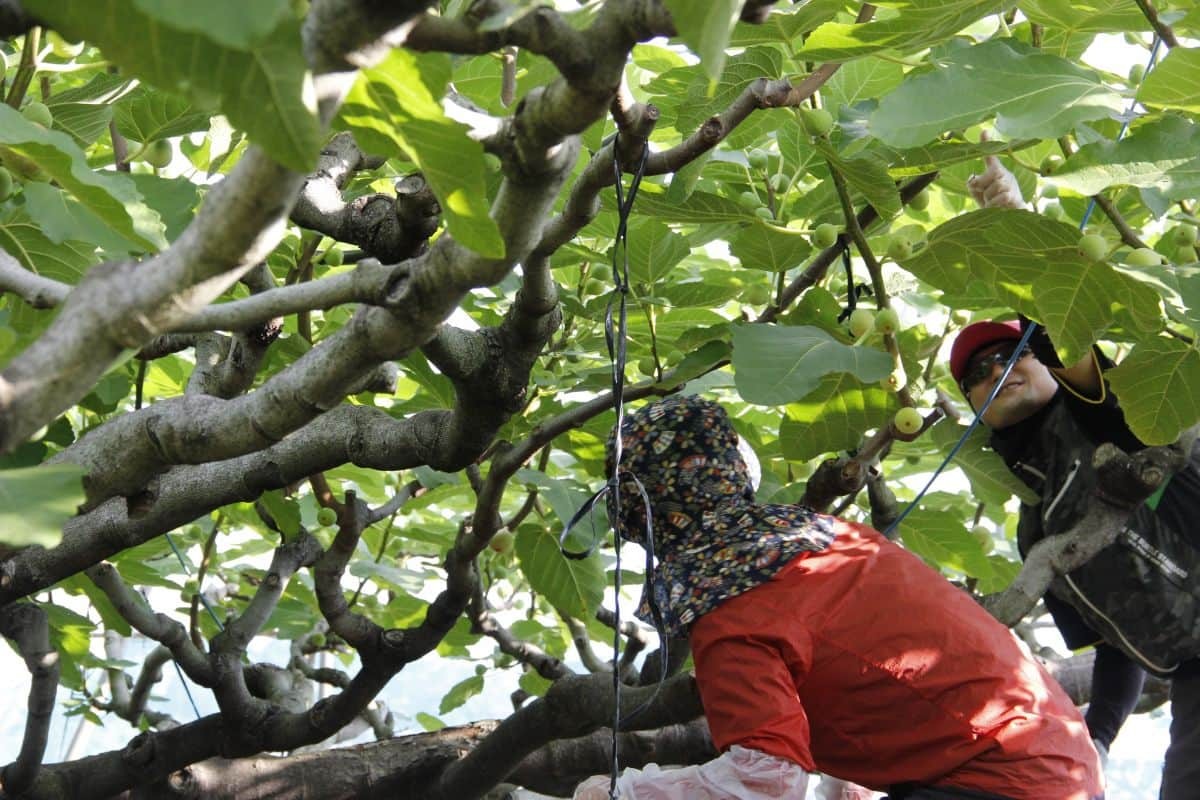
{"type": "Point", "coordinates": [980, 369]}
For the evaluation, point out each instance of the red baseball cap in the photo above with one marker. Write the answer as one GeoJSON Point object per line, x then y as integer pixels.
{"type": "Point", "coordinates": [975, 337]}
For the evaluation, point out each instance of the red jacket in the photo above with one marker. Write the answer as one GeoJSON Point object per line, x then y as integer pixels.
{"type": "Point", "coordinates": [862, 662]}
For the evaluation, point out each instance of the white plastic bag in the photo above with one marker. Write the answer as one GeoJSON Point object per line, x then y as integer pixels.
{"type": "Point", "coordinates": [740, 774]}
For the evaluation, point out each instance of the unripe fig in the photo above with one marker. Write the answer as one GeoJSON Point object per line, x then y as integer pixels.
{"type": "Point", "coordinates": [982, 535]}
{"type": "Point", "coordinates": [920, 201]}
{"type": "Point", "coordinates": [1184, 235]}
{"type": "Point", "coordinates": [899, 248]}
{"type": "Point", "coordinates": [816, 121]}
{"type": "Point", "coordinates": [38, 113]}
{"type": "Point", "coordinates": [158, 154]}
{"type": "Point", "coordinates": [825, 235]}
{"type": "Point", "coordinates": [1143, 257]}
{"type": "Point", "coordinates": [756, 294]}
{"type": "Point", "coordinates": [862, 320]}
{"type": "Point", "coordinates": [887, 321]}
{"type": "Point", "coordinates": [646, 366]}
{"type": "Point", "coordinates": [326, 516]}
{"type": "Point", "coordinates": [502, 542]}
{"type": "Point", "coordinates": [334, 257]}
{"type": "Point", "coordinates": [908, 420]}
{"type": "Point", "coordinates": [1093, 247]}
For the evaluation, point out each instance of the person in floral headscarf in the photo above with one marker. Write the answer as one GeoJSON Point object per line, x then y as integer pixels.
{"type": "Point", "coordinates": [820, 646]}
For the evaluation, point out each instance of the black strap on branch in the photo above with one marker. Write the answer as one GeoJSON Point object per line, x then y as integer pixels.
{"type": "Point", "coordinates": [616, 338]}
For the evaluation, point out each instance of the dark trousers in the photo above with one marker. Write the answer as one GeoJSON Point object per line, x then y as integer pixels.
{"type": "Point", "coordinates": [1181, 772]}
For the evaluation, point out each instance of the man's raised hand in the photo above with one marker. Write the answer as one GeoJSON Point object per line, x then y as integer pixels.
{"type": "Point", "coordinates": [996, 187]}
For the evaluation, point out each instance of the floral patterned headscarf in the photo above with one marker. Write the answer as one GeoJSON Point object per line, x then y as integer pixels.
{"type": "Point", "coordinates": [712, 540]}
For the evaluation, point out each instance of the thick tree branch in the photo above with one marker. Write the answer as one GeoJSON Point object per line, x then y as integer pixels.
{"type": "Point", "coordinates": [27, 627]}
{"type": "Point", "coordinates": [572, 707]}
{"type": "Point", "coordinates": [1123, 483]}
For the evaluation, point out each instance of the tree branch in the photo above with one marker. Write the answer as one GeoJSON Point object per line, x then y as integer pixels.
{"type": "Point", "coordinates": [28, 628]}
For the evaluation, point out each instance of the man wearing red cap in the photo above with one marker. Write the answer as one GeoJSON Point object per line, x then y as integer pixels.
{"type": "Point", "coordinates": [1137, 601]}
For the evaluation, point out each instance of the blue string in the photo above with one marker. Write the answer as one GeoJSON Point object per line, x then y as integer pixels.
{"type": "Point", "coordinates": [1024, 337]}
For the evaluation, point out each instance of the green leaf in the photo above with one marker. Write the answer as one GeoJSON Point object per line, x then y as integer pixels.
{"type": "Point", "coordinates": [175, 200]}
{"type": "Point", "coordinates": [700, 207]}
{"type": "Point", "coordinates": [1158, 385]}
{"type": "Point", "coordinates": [864, 79]}
{"type": "Point", "coordinates": [999, 257]}
{"type": "Point", "coordinates": [147, 114]}
{"type": "Point", "coordinates": [429, 722]}
{"type": "Point", "coordinates": [264, 87]}
{"type": "Point", "coordinates": [284, 510]}
{"type": "Point", "coordinates": [574, 585]}
{"type": "Point", "coordinates": [774, 365]}
{"type": "Point", "coordinates": [24, 240]}
{"type": "Point", "coordinates": [1175, 82]}
{"type": "Point", "coordinates": [460, 693]}
{"type": "Point", "coordinates": [85, 111]}
{"type": "Point", "coordinates": [941, 538]}
{"type": "Point", "coordinates": [393, 110]}
{"type": "Point", "coordinates": [914, 26]}
{"type": "Point", "coordinates": [764, 246]}
{"type": "Point", "coordinates": [654, 249]}
{"type": "Point", "coordinates": [109, 195]}
{"type": "Point", "coordinates": [64, 218]}
{"type": "Point", "coordinates": [704, 99]}
{"type": "Point", "coordinates": [1163, 154]}
{"type": "Point", "coordinates": [990, 478]}
{"type": "Point", "coordinates": [833, 417]}
{"type": "Point", "coordinates": [1095, 16]}
{"type": "Point", "coordinates": [782, 28]}
{"type": "Point", "coordinates": [233, 23]}
{"type": "Point", "coordinates": [705, 27]}
{"type": "Point", "coordinates": [1031, 93]}
{"type": "Point", "coordinates": [36, 501]}
{"type": "Point", "coordinates": [868, 174]}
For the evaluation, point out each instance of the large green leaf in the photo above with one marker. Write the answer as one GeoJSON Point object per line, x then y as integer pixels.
{"type": "Point", "coordinates": [262, 84]}
{"type": "Point", "coordinates": [833, 417]}
{"type": "Point", "coordinates": [1094, 16]}
{"type": "Point", "coordinates": [1031, 93]}
{"type": "Point", "coordinates": [942, 538]}
{"type": "Point", "coordinates": [85, 111]}
{"type": "Point", "coordinates": [1175, 82]}
{"type": "Point", "coordinates": [864, 79]}
{"type": "Point", "coordinates": [110, 196]}
{"type": "Point", "coordinates": [146, 114]}
{"type": "Point", "coordinates": [705, 27]}
{"type": "Point", "coordinates": [25, 241]}
{"type": "Point", "coordinates": [916, 25]}
{"type": "Point", "coordinates": [700, 207]}
{"type": "Point", "coordinates": [742, 70]}
{"type": "Point", "coordinates": [782, 27]}
{"type": "Point", "coordinates": [175, 200]}
{"type": "Point", "coordinates": [233, 23]}
{"type": "Point", "coordinates": [460, 693]}
{"type": "Point", "coordinates": [990, 479]}
{"type": "Point", "coordinates": [36, 501]}
{"type": "Point", "coordinates": [774, 364]}
{"type": "Point", "coordinates": [764, 246]}
{"type": "Point", "coordinates": [654, 249]}
{"type": "Point", "coordinates": [1164, 154]}
{"type": "Point", "coordinates": [1021, 260]}
{"type": "Point", "coordinates": [575, 586]}
{"type": "Point", "coordinates": [393, 110]}
{"type": "Point", "coordinates": [1158, 385]}
{"type": "Point", "coordinates": [63, 218]}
